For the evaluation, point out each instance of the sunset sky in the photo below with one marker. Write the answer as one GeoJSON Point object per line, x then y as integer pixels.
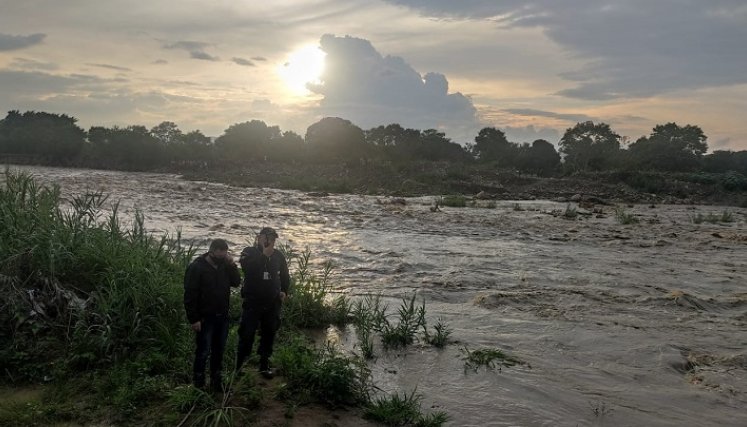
{"type": "Point", "coordinates": [532, 68]}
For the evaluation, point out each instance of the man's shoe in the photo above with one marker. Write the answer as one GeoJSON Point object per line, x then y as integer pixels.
{"type": "Point", "coordinates": [267, 374]}
{"type": "Point", "coordinates": [216, 385]}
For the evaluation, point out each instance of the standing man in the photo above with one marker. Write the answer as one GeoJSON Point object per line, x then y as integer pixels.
{"type": "Point", "coordinates": [266, 282]}
{"type": "Point", "coordinates": [207, 288]}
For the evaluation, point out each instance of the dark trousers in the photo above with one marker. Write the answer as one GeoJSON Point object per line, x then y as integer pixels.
{"type": "Point", "coordinates": [211, 341]}
{"type": "Point", "coordinates": [267, 320]}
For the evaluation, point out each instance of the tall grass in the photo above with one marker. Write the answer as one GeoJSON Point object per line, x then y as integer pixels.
{"type": "Point", "coordinates": [94, 306]}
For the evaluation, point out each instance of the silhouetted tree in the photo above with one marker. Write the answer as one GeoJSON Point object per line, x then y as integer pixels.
{"type": "Point", "coordinates": [288, 147]}
{"type": "Point", "coordinates": [333, 138]}
{"type": "Point", "coordinates": [245, 141]}
{"type": "Point", "coordinates": [436, 146]}
{"type": "Point", "coordinates": [590, 146]}
{"type": "Point", "coordinates": [53, 137]}
{"type": "Point", "coordinates": [491, 145]}
{"type": "Point", "coordinates": [539, 158]}
{"type": "Point", "coordinates": [670, 148]}
{"type": "Point", "coordinates": [395, 142]}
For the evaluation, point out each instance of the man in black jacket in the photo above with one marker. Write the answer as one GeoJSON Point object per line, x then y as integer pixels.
{"type": "Point", "coordinates": [266, 282]}
{"type": "Point", "coordinates": [207, 288]}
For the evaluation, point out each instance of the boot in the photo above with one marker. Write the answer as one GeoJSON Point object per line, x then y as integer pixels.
{"type": "Point", "coordinates": [216, 383]}
{"type": "Point", "coordinates": [264, 368]}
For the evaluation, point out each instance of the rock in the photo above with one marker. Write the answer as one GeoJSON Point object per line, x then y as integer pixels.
{"type": "Point", "coordinates": [318, 194]}
{"type": "Point", "coordinates": [575, 198]}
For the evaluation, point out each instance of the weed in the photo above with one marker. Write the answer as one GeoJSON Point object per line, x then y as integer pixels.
{"type": "Point", "coordinates": [624, 217]}
{"type": "Point", "coordinates": [490, 358]}
{"type": "Point", "coordinates": [441, 336]}
{"type": "Point", "coordinates": [411, 319]}
{"type": "Point", "coordinates": [457, 201]}
{"type": "Point", "coordinates": [402, 410]}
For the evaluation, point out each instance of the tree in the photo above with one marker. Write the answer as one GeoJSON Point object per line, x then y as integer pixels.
{"type": "Point", "coordinates": [333, 138]}
{"type": "Point", "coordinates": [395, 142]}
{"type": "Point", "coordinates": [491, 145]}
{"type": "Point", "coordinates": [436, 146]}
{"type": "Point", "coordinates": [288, 147]}
{"type": "Point", "coordinates": [167, 133]}
{"type": "Point", "coordinates": [245, 141]}
{"type": "Point", "coordinates": [539, 158]}
{"type": "Point", "coordinates": [54, 137]}
{"type": "Point", "coordinates": [670, 147]}
{"type": "Point", "coordinates": [590, 146]}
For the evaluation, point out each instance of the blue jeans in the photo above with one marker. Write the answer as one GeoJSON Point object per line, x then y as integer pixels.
{"type": "Point", "coordinates": [211, 341]}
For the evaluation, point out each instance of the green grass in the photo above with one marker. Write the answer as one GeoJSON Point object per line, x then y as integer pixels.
{"type": "Point", "coordinates": [454, 201]}
{"type": "Point", "coordinates": [725, 217]}
{"type": "Point", "coordinates": [490, 358]}
{"type": "Point", "coordinates": [403, 410]}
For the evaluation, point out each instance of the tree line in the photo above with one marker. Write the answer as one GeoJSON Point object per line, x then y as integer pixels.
{"type": "Point", "coordinates": [56, 139]}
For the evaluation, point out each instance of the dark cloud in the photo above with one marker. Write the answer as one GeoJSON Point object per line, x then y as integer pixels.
{"type": "Point", "coordinates": [259, 58]}
{"type": "Point", "coordinates": [110, 67]}
{"type": "Point", "coordinates": [549, 114]}
{"type": "Point", "coordinates": [369, 89]}
{"type": "Point", "coordinates": [32, 64]}
{"type": "Point", "coordinates": [10, 42]}
{"type": "Point", "coordinates": [636, 48]}
{"type": "Point", "coordinates": [196, 49]}
{"type": "Point", "coordinates": [242, 61]}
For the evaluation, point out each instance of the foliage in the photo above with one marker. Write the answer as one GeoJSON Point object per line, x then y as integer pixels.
{"type": "Point", "coordinates": [490, 358]}
{"type": "Point", "coordinates": [403, 410]}
{"type": "Point", "coordinates": [454, 201]}
{"type": "Point", "coordinates": [590, 146]}
{"type": "Point", "coordinates": [624, 217]}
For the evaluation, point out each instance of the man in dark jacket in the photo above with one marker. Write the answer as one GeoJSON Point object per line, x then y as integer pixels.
{"type": "Point", "coordinates": [266, 282]}
{"type": "Point", "coordinates": [207, 288]}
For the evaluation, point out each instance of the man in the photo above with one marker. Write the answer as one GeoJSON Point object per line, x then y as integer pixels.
{"type": "Point", "coordinates": [207, 288]}
{"type": "Point", "coordinates": [266, 282]}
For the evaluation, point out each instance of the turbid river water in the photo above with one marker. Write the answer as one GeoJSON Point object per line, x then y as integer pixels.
{"type": "Point", "coordinates": [629, 325]}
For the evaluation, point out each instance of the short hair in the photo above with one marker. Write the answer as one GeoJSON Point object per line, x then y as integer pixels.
{"type": "Point", "coordinates": [218, 245]}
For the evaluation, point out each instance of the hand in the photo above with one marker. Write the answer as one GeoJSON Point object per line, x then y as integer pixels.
{"type": "Point", "coordinates": [197, 326]}
{"type": "Point", "coordinates": [268, 250]}
{"type": "Point", "coordinates": [282, 296]}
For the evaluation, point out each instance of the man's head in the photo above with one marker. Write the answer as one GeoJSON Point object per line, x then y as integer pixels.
{"type": "Point", "coordinates": [267, 237]}
{"type": "Point", "coordinates": [218, 249]}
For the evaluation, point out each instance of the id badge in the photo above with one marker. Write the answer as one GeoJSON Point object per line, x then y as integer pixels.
{"type": "Point", "coordinates": [266, 275]}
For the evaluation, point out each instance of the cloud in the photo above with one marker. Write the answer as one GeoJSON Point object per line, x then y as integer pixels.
{"type": "Point", "coordinates": [196, 49]}
{"type": "Point", "coordinates": [10, 42]}
{"type": "Point", "coordinates": [530, 133]}
{"type": "Point", "coordinates": [549, 114]}
{"type": "Point", "coordinates": [259, 58]}
{"type": "Point", "coordinates": [631, 49]}
{"type": "Point", "coordinates": [160, 61]}
{"type": "Point", "coordinates": [110, 67]}
{"type": "Point", "coordinates": [369, 89]}
{"type": "Point", "coordinates": [242, 61]}
{"type": "Point", "coordinates": [32, 64]}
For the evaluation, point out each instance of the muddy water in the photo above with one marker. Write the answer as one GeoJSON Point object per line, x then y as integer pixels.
{"type": "Point", "coordinates": [637, 325]}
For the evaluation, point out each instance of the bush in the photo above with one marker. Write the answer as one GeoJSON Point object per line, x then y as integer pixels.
{"type": "Point", "coordinates": [734, 181]}
{"type": "Point", "coordinates": [402, 410]}
{"type": "Point", "coordinates": [453, 201]}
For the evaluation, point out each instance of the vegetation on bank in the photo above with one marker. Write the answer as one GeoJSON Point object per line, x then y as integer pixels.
{"type": "Point", "coordinates": [94, 329]}
{"type": "Point", "coordinates": [335, 155]}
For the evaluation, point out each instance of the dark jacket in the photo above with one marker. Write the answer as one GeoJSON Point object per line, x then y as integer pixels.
{"type": "Point", "coordinates": [207, 289]}
{"type": "Point", "coordinates": [258, 289]}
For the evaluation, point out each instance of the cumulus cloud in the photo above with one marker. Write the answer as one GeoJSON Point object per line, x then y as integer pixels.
{"type": "Point", "coordinates": [636, 48]}
{"type": "Point", "coordinates": [196, 49]}
{"type": "Point", "coordinates": [11, 42]}
{"type": "Point", "coordinates": [242, 61]}
{"type": "Point", "coordinates": [369, 89]}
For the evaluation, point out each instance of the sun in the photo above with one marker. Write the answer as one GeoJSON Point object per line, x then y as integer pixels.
{"type": "Point", "coordinates": [304, 65]}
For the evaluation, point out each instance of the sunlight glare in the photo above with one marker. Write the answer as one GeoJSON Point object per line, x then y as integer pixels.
{"type": "Point", "coordinates": [304, 65]}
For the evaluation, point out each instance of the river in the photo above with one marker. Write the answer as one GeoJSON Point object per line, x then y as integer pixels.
{"type": "Point", "coordinates": [620, 325]}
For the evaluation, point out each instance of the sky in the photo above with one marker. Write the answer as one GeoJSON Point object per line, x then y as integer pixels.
{"type": "Point", "coordinates": [532, 68]}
